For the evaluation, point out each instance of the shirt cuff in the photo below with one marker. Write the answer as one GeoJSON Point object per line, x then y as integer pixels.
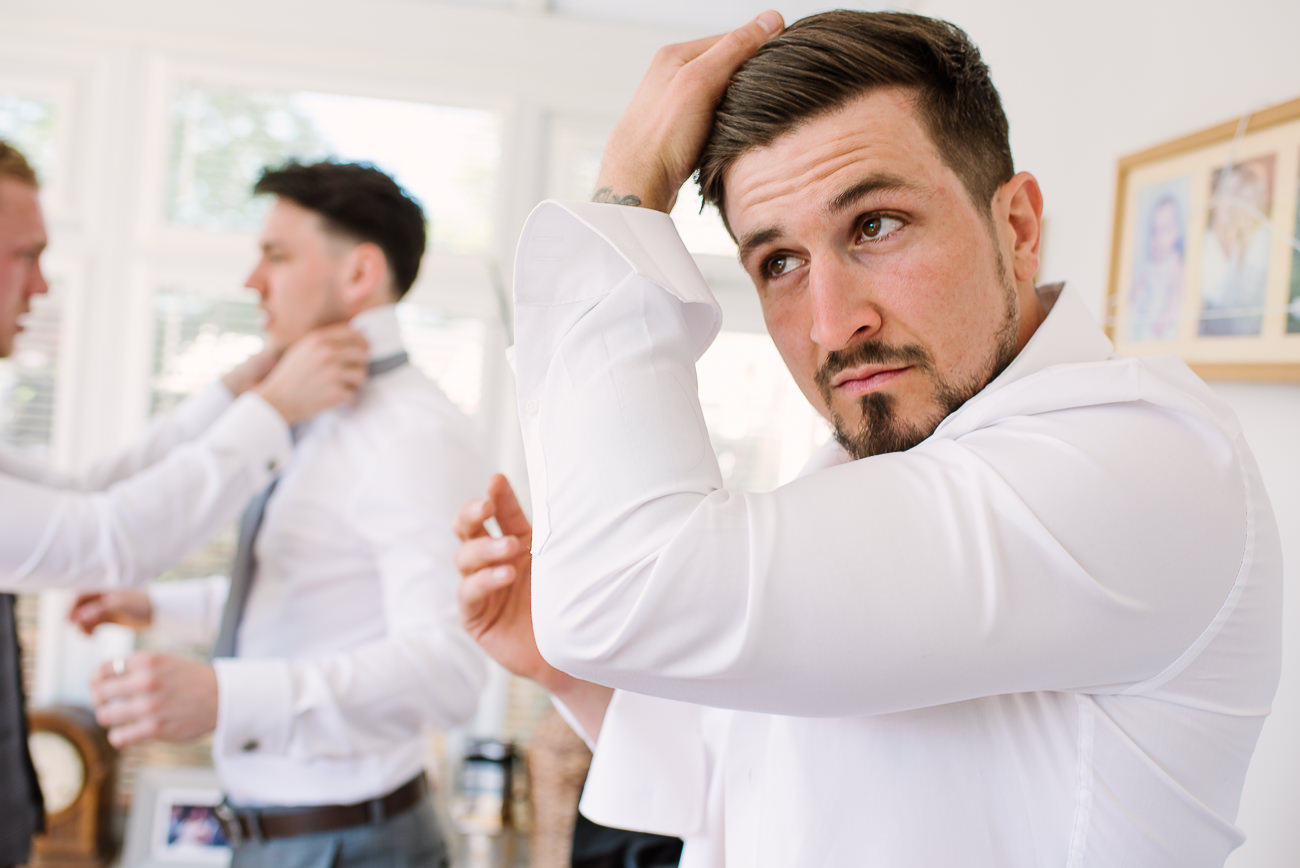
{"type": "Point", "coordinates": [572, 720]}
{"type": "Point", "coordinates": [188, 611]}
{"type": "Point", "coordinates": [251, 426]}
{"type": "Point", "coordinates": [254, 707]}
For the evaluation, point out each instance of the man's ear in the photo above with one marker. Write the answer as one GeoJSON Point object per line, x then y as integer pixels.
{"type": "Point", "coordinates": [365, 278]}
{"type": "Point", "coordinates": [1019, 204]}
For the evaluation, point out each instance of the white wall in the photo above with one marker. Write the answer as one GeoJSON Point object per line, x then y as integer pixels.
{"type": "Point", "coordinates": [1087, 83]}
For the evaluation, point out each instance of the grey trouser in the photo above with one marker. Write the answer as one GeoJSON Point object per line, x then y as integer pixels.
{"type": "Point", "coordinates": [409, 840]}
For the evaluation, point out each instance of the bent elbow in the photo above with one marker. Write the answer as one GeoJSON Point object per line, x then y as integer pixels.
{"type": "Point", "coordinates": [579, 634]}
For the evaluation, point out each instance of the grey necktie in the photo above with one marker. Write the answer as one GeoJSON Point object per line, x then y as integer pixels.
{"type": "Point", "coordinates": [245, 564]}
{"type": "Point", "coordinates": [241, 573]}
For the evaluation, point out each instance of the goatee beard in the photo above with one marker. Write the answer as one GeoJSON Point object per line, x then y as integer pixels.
{"type": "Point", "coordinates": [880, 430]}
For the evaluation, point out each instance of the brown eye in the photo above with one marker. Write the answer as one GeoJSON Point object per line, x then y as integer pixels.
{"type": "Point", "coordinates": [780, 265]}
{"type": "Point", "coordinates": [877, 227]}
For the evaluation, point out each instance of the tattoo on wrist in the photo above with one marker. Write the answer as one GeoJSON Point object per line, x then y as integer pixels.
{"type": "Point", "coordinates": [607, 196]}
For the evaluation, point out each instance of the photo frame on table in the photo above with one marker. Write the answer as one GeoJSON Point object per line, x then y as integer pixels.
{"type": "Point", "coordinates": [173, 821]}
{"type": "Point", "coordinates": [1204, 259]}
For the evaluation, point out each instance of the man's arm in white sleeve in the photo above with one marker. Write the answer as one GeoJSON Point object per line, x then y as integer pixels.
{"type": "Point", "coordinates": [165, 432]}
{"type": "Point", "coordinates": [136, 528]}
{"type": "Point", "coordinates": [139, 526]}
{"type": "Point", "coordinates": [958, 569]}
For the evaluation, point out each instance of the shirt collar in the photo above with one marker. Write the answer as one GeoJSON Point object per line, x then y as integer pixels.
{"type": "Point", "coordinates": [380, 328]}
{"type": "Point", "coordinates": [1068, 335]}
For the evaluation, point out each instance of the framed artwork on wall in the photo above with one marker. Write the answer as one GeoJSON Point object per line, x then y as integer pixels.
{"type": "Point", "coordinates": [1205, 262]}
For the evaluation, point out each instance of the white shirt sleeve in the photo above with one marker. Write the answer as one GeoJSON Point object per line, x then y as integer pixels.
{"type": "Point", "coordinates": [165, 432]}
{"type": "Point", "coordinates": [977, 564]}
{"type": "Point", "coordinates": [426, 672]}
{"type": "Point", "coordinates": [170, 496]}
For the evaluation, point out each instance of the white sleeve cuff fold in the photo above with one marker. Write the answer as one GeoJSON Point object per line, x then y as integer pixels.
{"type": "Point", "coordinates": [254, 706]}
{"type": "Point", "coordinates": [189, 611]}
{"type": "Point", "coordinates": [250, 420]}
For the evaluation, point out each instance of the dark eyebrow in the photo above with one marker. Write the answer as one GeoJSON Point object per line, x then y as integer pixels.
{"type": "Point", "coordinates": [754, 240]}
{"type": "Point", "coordinates": [866, 187]}
{"type": "Point", "coordinates": [882, 183]}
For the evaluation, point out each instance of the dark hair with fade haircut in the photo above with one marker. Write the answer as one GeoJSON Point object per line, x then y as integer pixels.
{"type": "Point", "coordinates": [359, 201]}
{"type": "Point", "coordinates": [823, 61]}
{"type": "Point", "coordinates": [14, 165]}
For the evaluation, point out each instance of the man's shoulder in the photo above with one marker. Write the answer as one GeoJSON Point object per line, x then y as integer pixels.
{"type": "Point", "coordinates": [407, 397]}
{"type": "Point", "coordinates": [405, 413]}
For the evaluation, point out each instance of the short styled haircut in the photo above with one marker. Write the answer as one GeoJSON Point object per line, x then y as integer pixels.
{"type": "Point", "coordinates": [822, 62]}
{"type": "Point", "coordinates": [358, 201]}
{"type": "Point", "coordinates": [14, 165]}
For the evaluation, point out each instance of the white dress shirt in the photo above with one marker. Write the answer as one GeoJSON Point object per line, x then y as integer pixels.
{"type": "Point", "coordinates": [127, 518]}
{"type": "Point", "coordinates": [350, 645]}
{"type": "Point", "coordinates": [1046, 636]}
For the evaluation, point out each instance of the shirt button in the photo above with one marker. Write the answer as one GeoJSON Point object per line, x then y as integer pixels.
{"type": "Point", "coordinates": [251, 745]}
{"type": "Point", "coordinates": [531, 408]}
{"type": "Point", "coordinates": [272, 465]}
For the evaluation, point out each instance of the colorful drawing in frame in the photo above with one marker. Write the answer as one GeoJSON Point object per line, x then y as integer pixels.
{"type": "Point", "coordinates": [1235, 257]}
{"type": "Point", "coordinates": [1155, 296]}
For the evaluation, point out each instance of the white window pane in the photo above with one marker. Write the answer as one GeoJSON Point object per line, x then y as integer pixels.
{"type": "Point", "coordinates": [223, 136]}
{"type": "Point", "coordinates": [28, 379]}
{"type": "Point", "coordinates": [31, 125]}
{"type": "Point", "coordinates": [449, 350]}
{"type": "Point", "coordinates": [197, 338]}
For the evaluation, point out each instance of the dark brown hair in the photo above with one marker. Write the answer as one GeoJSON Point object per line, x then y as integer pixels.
{"type": "Point", "coordinates": [361, 202]}
{"type": "Point", "coordinates": [14, 165]}
{"type": "Point", "coordinates": [823, 61]}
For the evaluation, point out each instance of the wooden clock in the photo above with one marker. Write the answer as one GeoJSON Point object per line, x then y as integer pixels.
{"type": "Point", "coordinates": [75, 765]}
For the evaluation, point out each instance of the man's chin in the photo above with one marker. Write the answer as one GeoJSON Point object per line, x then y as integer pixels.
{"type": "Point", "coordinates": [877, 428]}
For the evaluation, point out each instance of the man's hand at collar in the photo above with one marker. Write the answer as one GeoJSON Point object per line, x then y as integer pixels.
{"type": "Point", "coordinates": [323, 369]}
{"type": "Point", "coordinates": [653, 150]}
{"type": "Point", "coordinates": [155, 697]}
{"type": "Point", "coordinates": [252, 370]}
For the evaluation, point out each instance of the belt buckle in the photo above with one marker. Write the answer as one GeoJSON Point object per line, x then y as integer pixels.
{"type": "Point", "coordinates": [230, 824]}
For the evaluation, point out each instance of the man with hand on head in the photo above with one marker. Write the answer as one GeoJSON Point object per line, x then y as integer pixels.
{"type": "Point", "coordinates": [337, 642]}
{"type": "Point", "coordinates": [1023, 611]}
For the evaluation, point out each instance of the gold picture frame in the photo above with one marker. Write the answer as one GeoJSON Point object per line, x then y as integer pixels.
{"type": "Point", "coordinates": [1204, 259]}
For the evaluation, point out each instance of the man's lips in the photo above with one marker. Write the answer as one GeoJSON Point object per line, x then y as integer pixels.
{"type": "Point", "coordinates": [866, 379]}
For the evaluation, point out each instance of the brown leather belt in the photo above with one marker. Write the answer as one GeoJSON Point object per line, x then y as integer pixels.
{"type": "Point", "coordinates": [262, 824]}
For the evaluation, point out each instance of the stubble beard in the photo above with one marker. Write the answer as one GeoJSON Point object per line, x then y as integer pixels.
{"type": "Point", "coordinates": [880, 429]}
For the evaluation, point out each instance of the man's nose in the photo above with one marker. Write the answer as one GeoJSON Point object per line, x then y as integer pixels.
{"type": "Point", "coordinates": [256, 280]}
{"type": "Point", "coordinates": [843, 311]}
{"type": "Point", "coordinates": [37, 284]}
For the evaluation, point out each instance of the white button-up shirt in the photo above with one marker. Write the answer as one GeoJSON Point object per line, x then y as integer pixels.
{"type": "Point", "coordinates": [129, 517]}
{"type": "Point", "coordinates": [1046, 636]}
{"type": "Point", "coordinates": [350, 646]}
